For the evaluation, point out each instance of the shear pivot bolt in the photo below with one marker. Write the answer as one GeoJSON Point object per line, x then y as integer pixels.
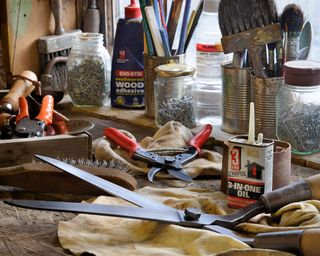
{"type": "Point", "coordinates": [169, 159]}
{"type": "Point", "coordinates": [192, 214]}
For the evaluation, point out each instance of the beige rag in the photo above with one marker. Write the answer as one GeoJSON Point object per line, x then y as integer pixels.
{"type": "Point", "coordinates": [100, 235]}
{"type": "Point", "coordinates": [172, 135]}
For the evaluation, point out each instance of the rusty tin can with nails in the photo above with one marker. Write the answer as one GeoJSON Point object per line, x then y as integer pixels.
{"type": "Point", "coordinates": [250, 170]}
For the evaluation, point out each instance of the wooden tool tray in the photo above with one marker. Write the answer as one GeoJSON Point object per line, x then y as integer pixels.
{"type": "Point", "coordinates": [19, 151]}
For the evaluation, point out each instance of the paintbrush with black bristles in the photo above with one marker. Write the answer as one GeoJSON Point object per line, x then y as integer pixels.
{"type": "Point", "coordinates": [229, 25]}
{"type": "Point", "coordinates": [245, 17]}
{"type": "Point", "coordinates": [292, 20]}
{"type": "Point", "coordinates": [270, 16]}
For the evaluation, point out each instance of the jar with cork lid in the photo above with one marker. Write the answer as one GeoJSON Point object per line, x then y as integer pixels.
{"type": "Point", "coordinates": [298, 106]}
{"type": "Point", "coordinates": [174, 93]}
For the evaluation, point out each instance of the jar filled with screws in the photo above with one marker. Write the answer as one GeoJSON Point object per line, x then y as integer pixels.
{"type": "Point", "coordinates": [174, 92]}
{"type": "Point", "coordinates": [87, 70]}
{"type": "Point", "coordinates": [298, 106]}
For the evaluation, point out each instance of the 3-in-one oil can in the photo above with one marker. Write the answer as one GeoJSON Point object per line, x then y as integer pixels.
{"type": "Point", "coordinates": [250, 170]}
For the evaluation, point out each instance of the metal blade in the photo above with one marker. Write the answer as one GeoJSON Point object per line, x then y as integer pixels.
{"type": "Point", "coordinates": [180, 174]}
{"type": "Point", "coordinates": [168, 216]}
{"type": "Point", "coordinates": [105, 185]}
{"type": "Point", "coordinates": [162, 215]}
{"type": "Point", "coordinates": [152, 172]}
{"type": "Point", "coordinates": [78, 126]}
{"type": "Point", "coordinates": [171, 215]}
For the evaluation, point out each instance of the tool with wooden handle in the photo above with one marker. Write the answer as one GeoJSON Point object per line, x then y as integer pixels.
{"type": "Point", "coordinates": [20, 88]}
{"type": "Point", "coordinates": [190, 217]}
{"type": "Point", "coordinates": [58, 45]}
{"type": "Point", "coordinates": [91, 21]}
{"type": "Point", "coordinates": [44, 178]}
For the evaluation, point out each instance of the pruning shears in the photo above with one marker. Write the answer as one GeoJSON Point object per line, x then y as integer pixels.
{"type": "Point", "coordinates": [26, 127]}
{"type": "Point", "coordinates": [171, 164]}
{"type": "Point", "coordinates": [297, 241]}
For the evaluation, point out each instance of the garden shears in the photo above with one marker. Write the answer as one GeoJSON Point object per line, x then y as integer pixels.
{"type": "Point", "coordinates": [297, 241]}
{"type": "Point", "coordinates": [171, 164]}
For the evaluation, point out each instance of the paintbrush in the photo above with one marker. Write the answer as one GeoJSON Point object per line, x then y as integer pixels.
{"type": "Point", "coordinates": [270, 16]}
{"type": "Point", "coordinates": [184, 25]}
{"type": "Point", "coordinates": [155, 32]}
{"type": "Point", "coordinates": [248, 24]}
{"type": "Point", "coordinates": [146, 29]}
{"type": "Point", "coordinates": [173, 19]}
{"type": "Point", "coordinates": [193, 23]}
{"type": "Point", "coordinates": [55, 46]}
{"type": "Point", "coordinates": [229, 26]}
{"type": "Point", "coordinates": [292, 20]}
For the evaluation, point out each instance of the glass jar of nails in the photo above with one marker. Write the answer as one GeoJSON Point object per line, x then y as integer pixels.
{"type": "Point", "coordinates": [174, 93]}
{"type": "Point", "coordinates": [87, 70]}
{"type": "Point", "coordinates": [298, 106]}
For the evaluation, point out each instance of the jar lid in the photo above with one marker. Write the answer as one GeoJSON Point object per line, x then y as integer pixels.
{"type": "Point", "coordinates": [302, 72]}
{"type": "Point", "coordinates": [174, 70]}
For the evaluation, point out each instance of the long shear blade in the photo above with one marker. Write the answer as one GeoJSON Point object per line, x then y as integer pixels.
{"type": "Point", "coordinates": [227, 221]}
{"type": "Point", "coordinates": [168, 216]}
{"type": "Point", "coordinates": [105, 185]}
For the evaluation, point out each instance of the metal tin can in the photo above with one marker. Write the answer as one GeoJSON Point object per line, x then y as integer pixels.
{"type": "Point", "coordinates": [250, 170]}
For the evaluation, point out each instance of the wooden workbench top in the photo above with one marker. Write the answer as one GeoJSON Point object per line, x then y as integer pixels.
{"type": "Point", "coordinates": [27, 232]}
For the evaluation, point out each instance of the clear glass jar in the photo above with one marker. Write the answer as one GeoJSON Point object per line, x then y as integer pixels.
{"type": "Point", "coordinates": [87, 67]}
{"type": "Point", "coordinates": [174, 92]}
{"type": "Point", "coordinates": [298, 107]}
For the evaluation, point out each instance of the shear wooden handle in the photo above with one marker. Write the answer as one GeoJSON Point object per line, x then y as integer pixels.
{"type": "Point", "coordinates": [296, 192]}
{"type": "Point", "coordinates": [56, 8]}
{"type": "Point", "coordinates": [201, 138]}
{"type": "Point", "coordinates": [300, 242]}
{"type": "Point", "coordinates": [20, 88]}
{"type": "Point", "coordinates": [122, 140]}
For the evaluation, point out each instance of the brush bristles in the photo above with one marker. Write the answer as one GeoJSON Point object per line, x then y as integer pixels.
{"type": "Point", "coordinates": [113, 164]}
{"type": "Point", "coordinates": [293, 18]}
{"type": "Point", "coordinates": [243, 15]}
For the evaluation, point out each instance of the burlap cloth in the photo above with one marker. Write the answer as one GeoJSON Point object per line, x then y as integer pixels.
{"type": "Point", "coordinates": [100, 235]}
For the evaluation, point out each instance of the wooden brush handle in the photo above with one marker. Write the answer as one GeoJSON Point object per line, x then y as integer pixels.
{"type": "Point", "coordinates": [256, 56]}
{"type": "Point", "coordinates": [20, 88]}
{"type": "Point", "coordinates": [296, 192]}
{"type": "Point", "coordinates": [56, 8]}
{"type": "Point", "coordinates": [43, 178]}
{"type": "Point", "coordinates": [300, 242]}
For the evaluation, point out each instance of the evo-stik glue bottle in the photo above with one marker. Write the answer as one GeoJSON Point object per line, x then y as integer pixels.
{"type": "Point", "coordinates": [127, 76]}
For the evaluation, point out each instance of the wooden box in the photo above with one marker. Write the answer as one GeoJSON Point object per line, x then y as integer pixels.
{"type": "Point", "coordinates": [19, 151]}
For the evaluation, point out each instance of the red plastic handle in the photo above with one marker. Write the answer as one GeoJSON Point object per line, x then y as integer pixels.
{"type": "Point", "coordinates": [46, 110]}
{"type": "Point", "coordinates": [122, 140]}
{"type": "Point", "coordinates": [201, 138]}
{"type": "Point", "coordinates": [23, 109]}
